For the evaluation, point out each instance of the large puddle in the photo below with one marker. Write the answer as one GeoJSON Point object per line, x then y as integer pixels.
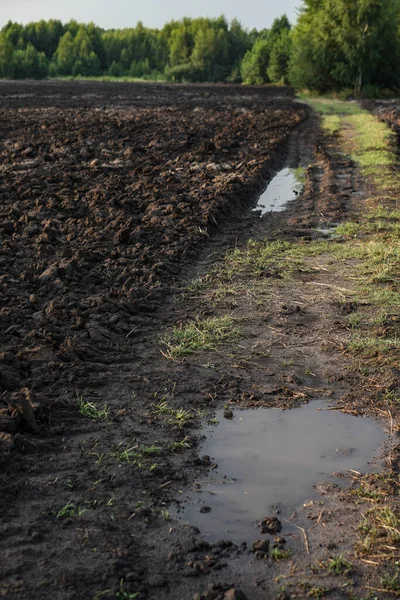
{"type": "Point", "coordinates": [271, 457]}
{"type": "Point", "coordinates": [284, 187]}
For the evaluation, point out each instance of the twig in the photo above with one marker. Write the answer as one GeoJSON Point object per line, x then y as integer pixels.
{"type": "Point", "coordinates": [133, 330]}
{"type": "Point", "coordinates": [303, 531]}
{"type": "Point", "coordinates": [165, 484]}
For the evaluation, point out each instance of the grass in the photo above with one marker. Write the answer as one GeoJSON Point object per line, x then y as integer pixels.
{"type": "Point", "coordinates": [314, 591]}
{"type": "Point", "coordinates": [279, 554]}
{"type": "Point", "coordinates": [199, 335]}
{"type": "Point", "coordinates": [372, 346]}
{"type": "Point", "coordinates": [391, 582]}
{"type": "Point", "coordinates": [255, 258]}
{"type": "Point", "coordinates": [134, 454]}
{"type": "Point", "coordinates": [338, 565]}
{"type": "Point", "coordinates": [177, 416]}
{"type": "Point", "coordinates": [69, 510]}
{"type": "Point", "coordinates": [181, 445]}
{"type": "Point", "coordinates": [122, 594]}
{"type": "Point", "coordinates": [90, 410]}
{"type": "Point", "coordinates": [379, 531]}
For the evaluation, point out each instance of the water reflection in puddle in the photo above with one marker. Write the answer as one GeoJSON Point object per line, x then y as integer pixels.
{"type": "Point", "coordinates": [284, 187]}
{"type": "Point", "coordinates": [328, 230]}
{"type": "Point", "coordinates": [270, 457]}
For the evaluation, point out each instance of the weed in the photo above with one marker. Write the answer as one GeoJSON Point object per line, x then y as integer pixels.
{"type": "Point", "coordinates": [133, 454]}
{"type": "Point", "coordinates": [391, 583]}
{"type": "Point", "coordinates": [354, 320]}
{"type": "Point", "coordinates": [367, 493]}
{"type": "Point", "coordinates": [388, 521]}
{"type": "Point", "coordinates": [195, 286]}
{"type": "Point", "coordinates": [372, 346]}
{"type": "Point", "coordinates": [181, 445]}
{"type": "Point", "coordinates": [162, 408]}
{"type": "Point", "coordinates": [177, 416]}
{"type": "Point", "coordinates": [288, 363]}
{"type": "Point", "coordinates": [69, 510]}
{"type": "Point", "coordinates": [182, 416]}
{"type": "Point", "coordinates": [349, 229]}
{"type": "Point", "coordinates": [279, 554]}
{"type": "Point", "coordinates": [317, 592]}
{"type": "Point", "coordinates": [166, 515]}
{"type": "Point", "coordinates": [124, 595]}
{"type": "Point", "coordinates": [391, 398]}
{"type": "Point", "coordinates": [199, 335]}
{"type": "Point", "coordinates": [339, 565]}
{"type": "Point", "coordinates": [90, 410]}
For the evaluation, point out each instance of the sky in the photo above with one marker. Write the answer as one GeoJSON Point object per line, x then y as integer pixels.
{"type": "Point", "coordinates": [153, 13]}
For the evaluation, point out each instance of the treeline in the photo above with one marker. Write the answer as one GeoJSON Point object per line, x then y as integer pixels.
{"type": "Point", "coordinates": [193, 50]}
{"type": "Point", "coordinates": [335, 45]}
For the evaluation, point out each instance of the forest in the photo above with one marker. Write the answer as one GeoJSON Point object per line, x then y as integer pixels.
{"type": "Point", "coordinates": [335, 45]}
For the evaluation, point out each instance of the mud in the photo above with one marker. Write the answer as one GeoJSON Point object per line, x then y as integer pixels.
{"type": "Point", "coordinates": [115, 198]}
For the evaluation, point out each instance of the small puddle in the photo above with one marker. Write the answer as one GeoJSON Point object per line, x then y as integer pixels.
{"type": "Point", "coordinates": [284, 187]}
{"type": "Point", "coordinates": [328, 230]}
{"type": "Point", "coordinates": [271, 457]}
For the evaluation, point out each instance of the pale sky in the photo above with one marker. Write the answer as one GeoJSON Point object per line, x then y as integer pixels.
{"type": "Point", "coordinates": [153, 13]}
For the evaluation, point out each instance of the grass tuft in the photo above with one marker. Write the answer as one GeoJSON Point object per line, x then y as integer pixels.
{"type": "Point", "coordinates": [199, 335]}
{"type": "Point", "coordinates": [90, 410]}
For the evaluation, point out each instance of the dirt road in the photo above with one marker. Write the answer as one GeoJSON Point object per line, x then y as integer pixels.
{"type": "Point", "coordinates": [125, 220]}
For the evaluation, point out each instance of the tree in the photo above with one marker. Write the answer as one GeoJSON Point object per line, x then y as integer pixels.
{"type": "Point", "coordinates": [65, 55]}
{"type": "Point", "coordinates": [255, 62]}
{"type": "Point", "coordinates": [239, 44]}
{"type": "Point", "coordinates": [278, 66]}
{"type": "Point", "coordinates": [346, 43]}
{"type": "Point", "coordinates": [30, 64]}
{"type": "Point", "coordinates": [180, 46]}
{"type": "Point", "coordinates": [6, 57]}
{"type": "Point", "coordinates": [210, 54]}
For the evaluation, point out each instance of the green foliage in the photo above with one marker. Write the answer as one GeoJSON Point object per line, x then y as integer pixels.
{"type": "Point", "coordinates": [336, 45]}
{"type": "Point", "coordinates": [278, 66]}
{"type": "Point", "coordinates": [199, 335]}
{"type": "Point", "coordinates": [341, 44]}
{"type": "Point", "coordinates": [269, 57]}
{"type": "Point", "coordinates": [6, 56]}
{"type": "Point", "coordinates": [188, 50]}
{"type": "Point", "coordinates": [255, 62]}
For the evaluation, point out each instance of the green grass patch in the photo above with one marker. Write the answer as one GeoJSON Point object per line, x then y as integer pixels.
{"type": "Point", "coordinates": [179, 417]}
{"type": "Point", "coordinates": [199, 335]}
{"type": "Point", "coordinates": [135, 454]}
{"type": "Point", "coordinates": [332, 123]}
{"type": "Point", "coordinates": [90, 410]}
{"type": "Point", "coordinates": [330, 106]}
{"type": "Point", "coordinates": [69, 510]}
{"type": "Point", "coordinates": [338, 565]}
{"type": "Point", "coordinates": [373, 346]}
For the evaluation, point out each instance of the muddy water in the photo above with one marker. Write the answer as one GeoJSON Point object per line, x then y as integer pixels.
{"type": "Point", "coordinates": [270, 457]}
{"type": "Point", "coordinates": [284, 187]}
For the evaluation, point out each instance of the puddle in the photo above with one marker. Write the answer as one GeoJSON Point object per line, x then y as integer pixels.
{"type": "Point", "coordinates": [284, 187]}
{"type": "Point", "coordinates": [272, 457]}
{"type": "Point", "coordinates": [329, 230]}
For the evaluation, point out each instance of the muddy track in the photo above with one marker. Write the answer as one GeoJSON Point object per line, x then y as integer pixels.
{"type": "Point", "coordinates": [77, 520]}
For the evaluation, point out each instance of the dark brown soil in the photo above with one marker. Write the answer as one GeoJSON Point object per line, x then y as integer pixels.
{"type": "Point", "coordinates": [114, 197]}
